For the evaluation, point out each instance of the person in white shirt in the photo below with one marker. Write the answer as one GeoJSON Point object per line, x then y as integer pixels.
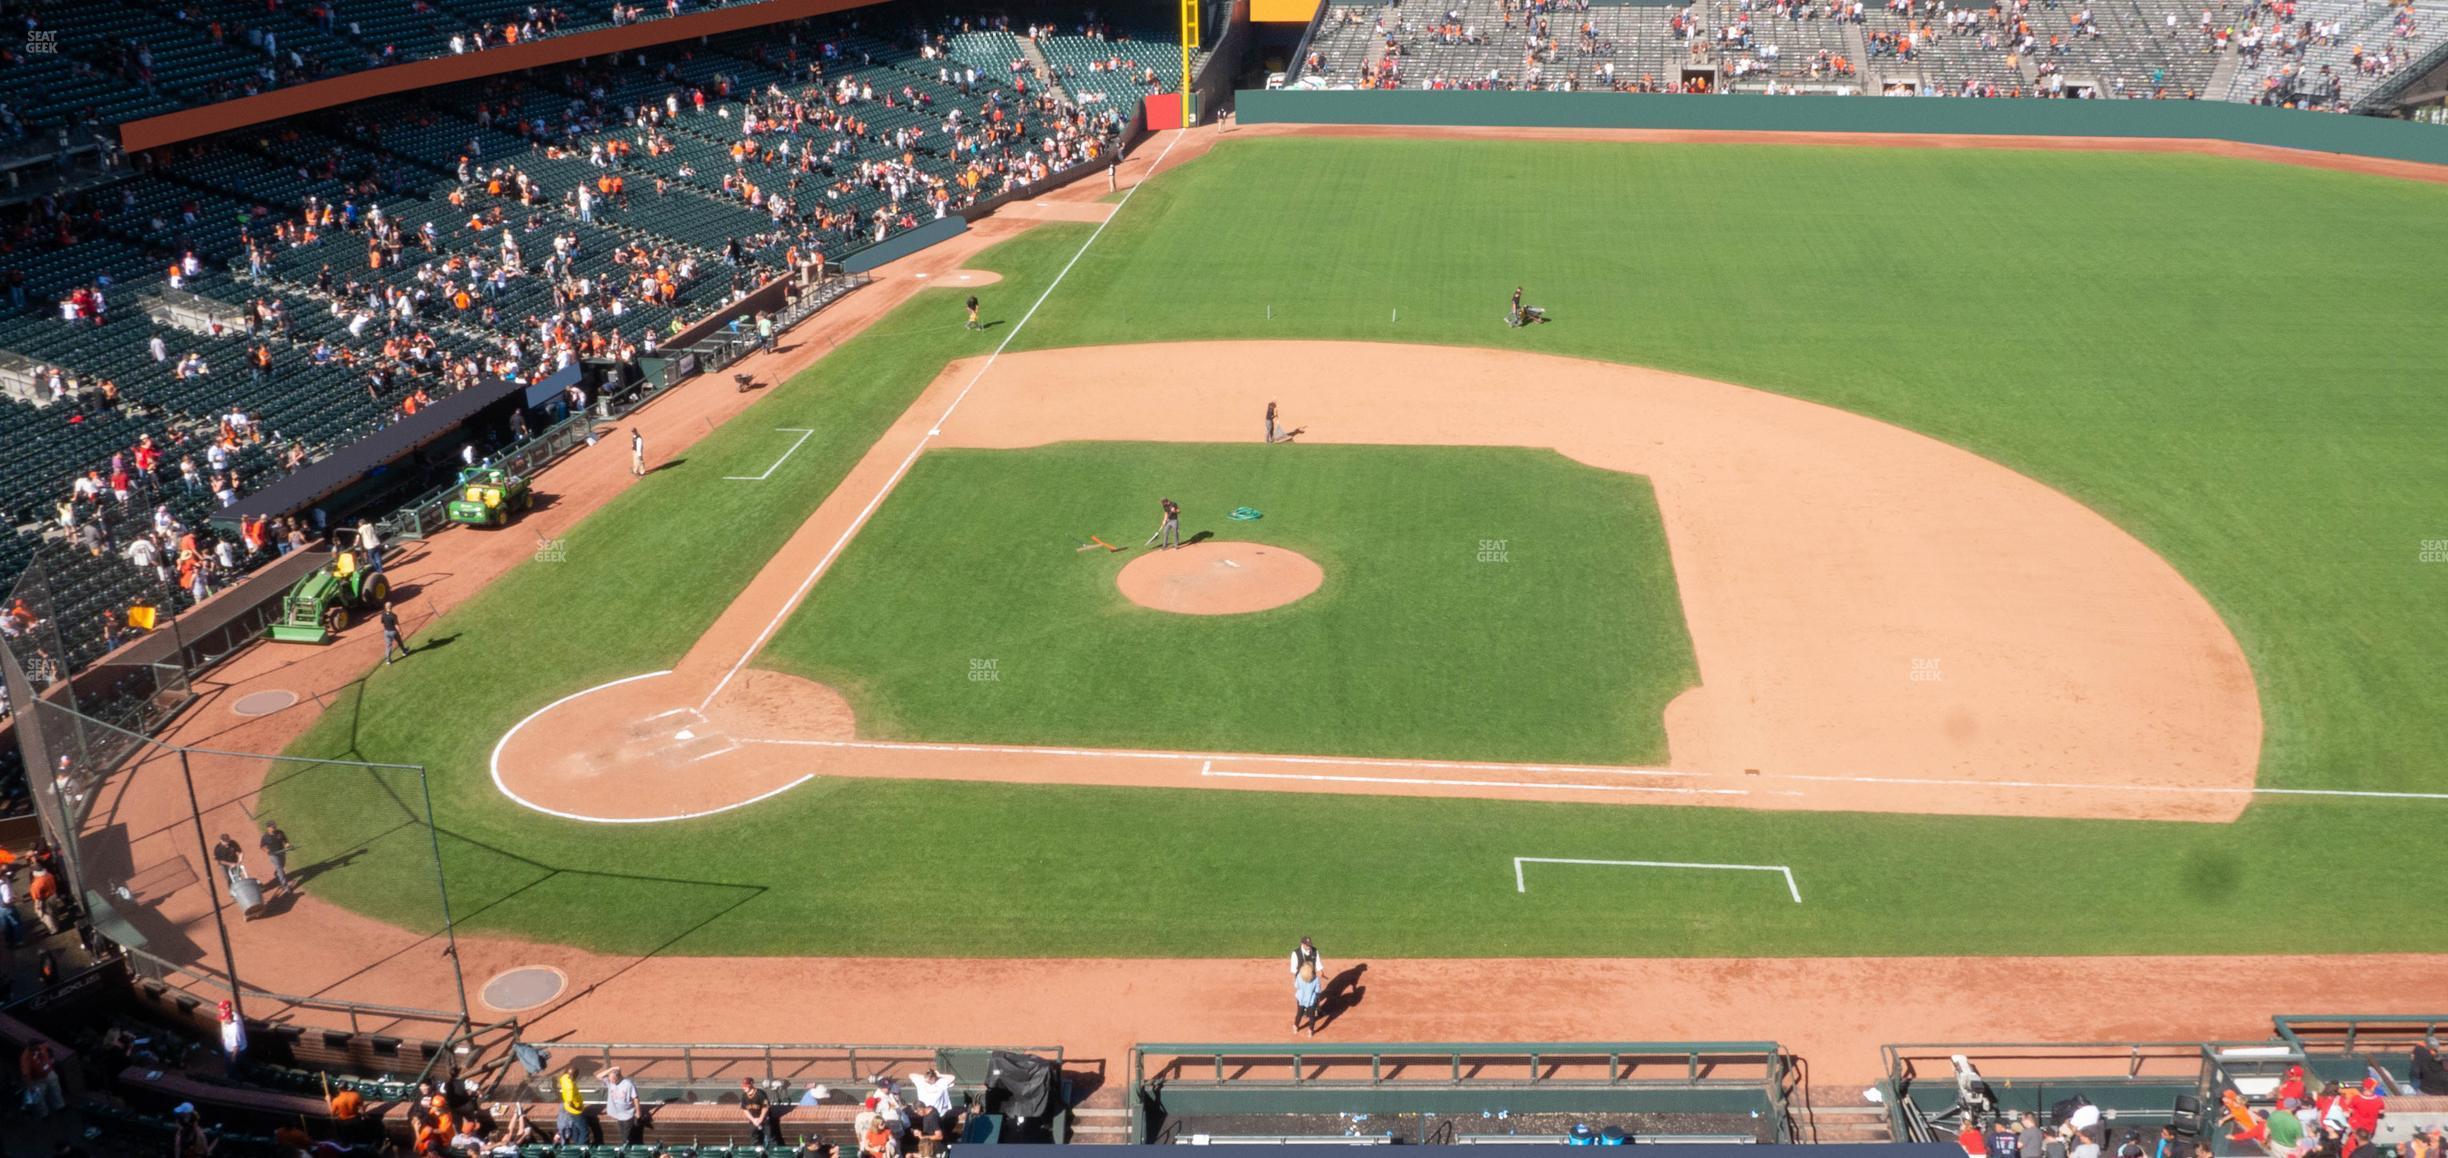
{"type": "Point", "coordinates": [934, 1090]}
{"type": "Point", "coordinates": [233, 1038]}
{"type": "Point", "coordinates": [369, 540]}
{"type": "Point", "coordinates": [621, 1109]}
{"type": "Point", "coordinates": [1306, 952]}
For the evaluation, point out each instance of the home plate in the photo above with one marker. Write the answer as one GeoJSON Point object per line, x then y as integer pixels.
{"type": "Point", "coordinates": [684, 734]}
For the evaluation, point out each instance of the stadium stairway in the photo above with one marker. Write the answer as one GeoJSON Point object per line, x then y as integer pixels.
{"type": "Point", "coordinates": [1840, 1116]}
{"type": "Point", "coordinates": [1044, 68]}
{"type": "Point", "coordinates": [2222, 77]}
{"type": "Point", "coordinates": [1103, 1117]}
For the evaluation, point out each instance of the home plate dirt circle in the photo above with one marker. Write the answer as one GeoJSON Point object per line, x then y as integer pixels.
{"type": "Point", "coordinates": [1219, 578]}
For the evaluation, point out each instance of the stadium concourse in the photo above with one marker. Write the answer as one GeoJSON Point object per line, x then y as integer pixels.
{"type": "Point", "coordinates": [1835, 1012]}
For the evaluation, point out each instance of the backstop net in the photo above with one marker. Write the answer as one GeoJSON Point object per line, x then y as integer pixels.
{"type": "Point", "coordinates": [192, 861]}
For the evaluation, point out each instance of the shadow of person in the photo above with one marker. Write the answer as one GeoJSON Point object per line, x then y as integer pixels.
{"type": "Point", "coordinates": [1343, 992]}
{"type": "Point", "coordinates": [1200, 537]}
{"type": "Point", "coordinates": [304, 873]}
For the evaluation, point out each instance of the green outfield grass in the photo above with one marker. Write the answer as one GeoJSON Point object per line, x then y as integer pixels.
{"type": "Point", "coordinates": [1564, 643]}
{"type": "Point", "coordinates": [2236, 362]}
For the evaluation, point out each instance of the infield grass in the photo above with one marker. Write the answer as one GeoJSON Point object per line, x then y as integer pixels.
{"type": "Point", "coordinates": [1562, 641]}
{"type": "Point", "coordinates": [2237, 362]}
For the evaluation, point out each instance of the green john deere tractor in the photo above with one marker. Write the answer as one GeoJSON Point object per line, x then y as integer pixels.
{"type": "Point", "coordinates": [488, 497]}
{"type": "Point", "coordinates": [318, 606]}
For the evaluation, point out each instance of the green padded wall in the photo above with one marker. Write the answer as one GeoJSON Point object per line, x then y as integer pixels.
{"type": "Point", "coordinates": [2200, 120]}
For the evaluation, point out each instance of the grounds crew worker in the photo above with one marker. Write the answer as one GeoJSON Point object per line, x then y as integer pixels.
{"type": "Point", "coordinates": [1307, 952]}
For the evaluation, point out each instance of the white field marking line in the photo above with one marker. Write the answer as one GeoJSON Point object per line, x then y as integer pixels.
{"type": "Point", "coordinates": [680, 744]}
{"type": "Point", "coordinates": [675, 712]}
{"type": "Point", "coordinates": [803, 434]}
{"type": "Point", "coordinates": [1521, 884]}
{"type": "Point", "coordinates": [759, 798]}
{"type": "Point", "coordinates": [1429, 782]}
{"type": "Point", "coordinates": [523, 802]}
{"type": "Point", "coordinates": [725, 750]}
{"type": "Point", "coordinates": [1586, 769]}
{"type": "Point", "coordinates": [2222, 790]}
{"type": "Point", "coordinates": [824, 564]}
{"type": "Point", "coordinates": [1238, 757]}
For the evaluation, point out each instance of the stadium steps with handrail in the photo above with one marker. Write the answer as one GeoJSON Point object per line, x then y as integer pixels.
{"type": "Point", "coordinates": [1045, 70]}
{"type": "Point", "coordinates": [1838, 1116]}
{"type": "Point", "coordinates": [2385, 94]}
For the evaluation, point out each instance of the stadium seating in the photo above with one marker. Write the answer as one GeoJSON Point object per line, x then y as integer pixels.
{"type": "Point", "coordinates": [121, 60]}
{"type": "Point", "coordinates": [2371, 42]}
{"type": "Point", "coordinates": [2124, 49]}
{"type": "Point", "coordinates": [402, 155]}
{"type": "Point", "coordinates": [1080, 67]}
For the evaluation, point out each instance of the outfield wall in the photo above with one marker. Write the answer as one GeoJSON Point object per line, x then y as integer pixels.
{"type": "Point", "coordinates": [2193, 120]}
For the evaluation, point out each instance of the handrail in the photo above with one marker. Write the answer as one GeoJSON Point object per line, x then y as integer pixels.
{"type": "Point", "coordinates": [1300, 49]}
{"type": "Point", "coordinates": [421, 516]}
{"type": "Point", "coordinates": [770, 1059]}
{"type": "Point", "coordinates": [2290, 1026]}
{"type": "Point", "coordinates": [1581, 1047]}
{"type": "Point", "coordinates": [764, 1046]}
{"type": "Point", "coordinates": [1768, 1054]}
{"type": "Point", "coordinates": [396, 1013]}
{"type": "Point", "coordinates": [2382, 96]}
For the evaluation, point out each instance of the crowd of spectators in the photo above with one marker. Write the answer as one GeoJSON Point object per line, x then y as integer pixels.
{"type": "Point", "coordinates": [401, 250]}
{"type": "Point", "coordinates": [1980, 48]}
{"type": "Point", "coordinates": [230, 51]}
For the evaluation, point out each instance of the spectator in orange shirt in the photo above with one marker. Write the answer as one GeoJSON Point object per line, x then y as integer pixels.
{"type": "Point", "coordinates": [42, 890]}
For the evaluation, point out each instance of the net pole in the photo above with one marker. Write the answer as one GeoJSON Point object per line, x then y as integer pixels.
{"type": "Point", "coordinates": [229, 956]}
{"type": "Point", "coordinates": [450, 929]}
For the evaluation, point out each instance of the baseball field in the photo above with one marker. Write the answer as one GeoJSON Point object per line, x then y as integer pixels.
{"type": "Point", "coordinates": [1915, 544]}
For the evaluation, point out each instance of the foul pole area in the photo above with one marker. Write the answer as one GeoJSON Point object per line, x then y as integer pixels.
{"type": "Point", "coordinates": [1189, 50]}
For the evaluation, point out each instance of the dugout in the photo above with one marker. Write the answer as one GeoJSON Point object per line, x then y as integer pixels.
{"type": "Point", "coordinates": [1462, 1093]}
{"type": "Point", "coordinates": [2139, 1084]}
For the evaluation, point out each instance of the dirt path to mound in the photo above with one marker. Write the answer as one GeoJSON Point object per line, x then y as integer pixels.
{"type": "Point", "coordinates": [1882, 621]}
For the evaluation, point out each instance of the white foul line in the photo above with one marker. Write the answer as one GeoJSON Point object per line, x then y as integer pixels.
{"type": "Point", "coordinates": [1522, 885]}
{"type": "Point", "coordinates": [822, 565]}
{"type": "Point", "coordinates": [803, 434]}
{"type": "Point", "coordinates": [1158, 754]}
{"type": "Point", "coordinates": [1569, 769]}
{"type": "Point", "coordinates": [2188, 789]}
{"type": "Point", "coordinates": [1427, 782]}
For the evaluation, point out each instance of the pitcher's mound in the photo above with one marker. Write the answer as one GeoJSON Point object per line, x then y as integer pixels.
{"type": "Point", "coordinates": [1218, 578]}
